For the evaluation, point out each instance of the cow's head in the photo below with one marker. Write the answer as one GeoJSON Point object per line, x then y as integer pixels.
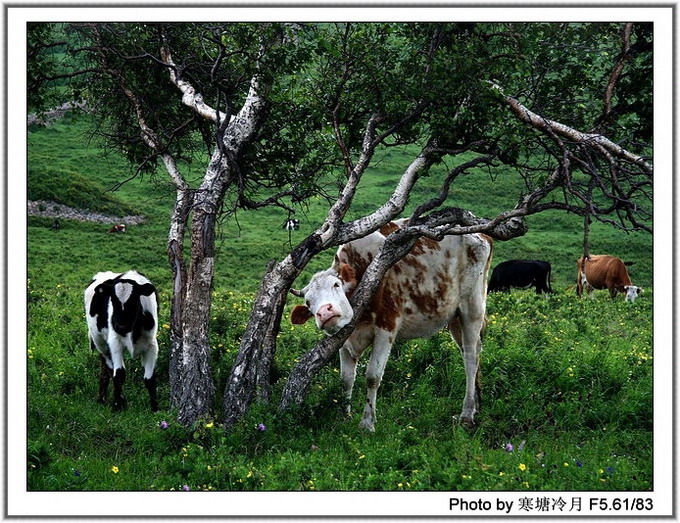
{"type": "Point", "coordinates": [326, 298]}
{"type": "Point", "coordinates": [632, 292]}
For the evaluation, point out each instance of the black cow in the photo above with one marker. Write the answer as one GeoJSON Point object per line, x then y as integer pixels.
{"type": "Point", "coordinates": [521, 274]}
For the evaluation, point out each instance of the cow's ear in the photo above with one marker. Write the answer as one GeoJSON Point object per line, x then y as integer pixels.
{"type": "Point", "coordinates": [102, 293]}
{"type": "Point", "coordinates": [299, 315]}
{"type": "Point", "coordinates": [104, 289]}
{"type": "Point", "coordinates": [147, 289]}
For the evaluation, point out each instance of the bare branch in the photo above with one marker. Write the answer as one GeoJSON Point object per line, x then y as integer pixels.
{"type": "Point", "coordinates": [446, 185]}
{"type": "Point", "coordinates": [616, 73]}
{"type": "Point", "coordinates": [588, 139]}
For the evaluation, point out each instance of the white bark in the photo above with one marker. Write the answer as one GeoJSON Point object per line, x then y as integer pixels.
{"type": "Point", "coordinates": [190, 97]}
{"type": "Point", "coordinates": [393, 206]}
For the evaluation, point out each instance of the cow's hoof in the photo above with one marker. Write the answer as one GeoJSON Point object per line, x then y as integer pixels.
{"type": "Point", "coordinates": [119, 406]}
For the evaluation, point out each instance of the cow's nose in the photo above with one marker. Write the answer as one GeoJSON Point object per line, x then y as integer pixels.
{"type": "Point", "coordinates": [325, 313]}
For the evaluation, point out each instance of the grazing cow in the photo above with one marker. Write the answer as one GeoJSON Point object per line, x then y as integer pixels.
{"type": "Point", "coordinates": [122, 313]}
{"type": "Point", "coordinates": [56, 225]}
{"type": "Point", "coordinates": [291, 225]}
{"type": "Point", "coordinates": [521, 274]}
{"type": "Point", "coordinates": [437, 285]}
{"type": "Point", "coordinates": [605, 272]}
{"type": "Point", "coordinates": [120, 227]}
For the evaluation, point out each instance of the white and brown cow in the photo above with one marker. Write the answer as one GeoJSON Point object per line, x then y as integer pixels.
{"type": "Point", "coordinates": [605, 272]}
{"type": "Point", "coordinates": [437, 285]}
{"type": "Point", "coordinates": [118, 228]}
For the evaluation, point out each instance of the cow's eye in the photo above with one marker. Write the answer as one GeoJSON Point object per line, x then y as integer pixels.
{"type": "Point", "coordinates": [308, 304]}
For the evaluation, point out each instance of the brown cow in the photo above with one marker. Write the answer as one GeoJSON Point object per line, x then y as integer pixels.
{"type": "Point", "coordinates": [437, 285]}
{"type": "Point", "coordinates": [605, 272]}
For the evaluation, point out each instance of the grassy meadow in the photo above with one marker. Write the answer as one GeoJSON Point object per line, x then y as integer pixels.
{"type": "Point", "coordinates": [566, 383]}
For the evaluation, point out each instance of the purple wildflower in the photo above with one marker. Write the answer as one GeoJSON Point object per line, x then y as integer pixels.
{"type": "Point", "coordinates": [186, 488]}
{"type": "Point", "coordinates": [76, 473]}
{"type": "Point", "coordinates": [508, 447]}
{"type": "Point", "coordinates": [261, 427]}
{"type": "Point", "coordinates": [578, 463]}
{"type": "Point", "coordinates": [164, 425]}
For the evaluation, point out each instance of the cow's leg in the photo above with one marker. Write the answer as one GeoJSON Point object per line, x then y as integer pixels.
{"type": "Point", "coordinates": [467, 329]}
{"type": "Point", "coordinates": [456, 330]}
{"type": "Point", "coordinates": [350, 353]}
{"type": "Point", "coordinates": [149, 358]}
{"type": "Point", "coordinates": [104, 378]}
{"type": "Point", "coordinates": [382, 345]}
{"type": "Point", "coordinates": [105, 366]}
{"type": "Point", "coordinates": [116, 347]}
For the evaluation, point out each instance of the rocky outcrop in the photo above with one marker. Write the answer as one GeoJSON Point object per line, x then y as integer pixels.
{"type": "Point", "coordinates": [47, 117]}
{"type": "Point", "coordinates": [48, 209]}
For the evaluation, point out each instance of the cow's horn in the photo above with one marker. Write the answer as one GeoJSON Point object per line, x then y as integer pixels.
{"type": "Point", "coordinates": [297, 293]}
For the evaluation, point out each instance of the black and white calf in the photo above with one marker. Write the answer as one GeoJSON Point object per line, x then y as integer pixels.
{"type": "Point", "coordinates": [291, 224]}
{"type": "Point", "coordinates": [122, 313]}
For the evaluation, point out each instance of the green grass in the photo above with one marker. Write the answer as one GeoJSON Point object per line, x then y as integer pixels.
{"type": "Point", "coordinates": [567, 382]}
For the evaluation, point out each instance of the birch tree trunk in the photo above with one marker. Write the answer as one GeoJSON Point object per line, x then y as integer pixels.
{"type": "Point", "coordinates": [251, 370]}
{"type": "Point", "coordinates": [175, 248]}
{"type": "Point", "coordinates": [194, 388]}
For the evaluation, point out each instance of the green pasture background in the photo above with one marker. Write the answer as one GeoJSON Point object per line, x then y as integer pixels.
{"type": "Point", "coordinates": [567, 382]}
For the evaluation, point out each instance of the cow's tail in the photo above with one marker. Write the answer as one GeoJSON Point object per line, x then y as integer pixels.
{"type": "Point", "coordinates": [548, 278]}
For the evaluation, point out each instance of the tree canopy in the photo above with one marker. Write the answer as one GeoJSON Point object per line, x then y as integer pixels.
{"type": "Point", "coordinates": [426, 82]}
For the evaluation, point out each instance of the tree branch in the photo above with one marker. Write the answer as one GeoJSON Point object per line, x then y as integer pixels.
{"type": "Point", "coordinates": [588, 139]}
{"type": "Point", "coordinates": [616, 74]}
{"type": "Point", "coordinates": [190, 97]}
